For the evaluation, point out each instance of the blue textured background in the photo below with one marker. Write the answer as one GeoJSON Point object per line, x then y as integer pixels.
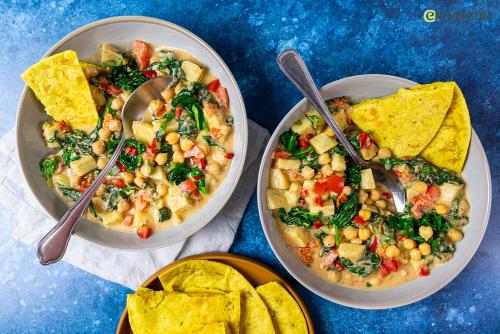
{"type": "Point", "coordinates": [337, 39]}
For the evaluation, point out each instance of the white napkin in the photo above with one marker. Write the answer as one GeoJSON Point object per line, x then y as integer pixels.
{"type": "Point", "coordinates": [127, 268]}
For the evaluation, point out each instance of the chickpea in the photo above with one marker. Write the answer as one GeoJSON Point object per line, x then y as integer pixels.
{"type": "Point", "coordinates": [161, 189]}
{"type": "Point", "coordinates": [364, 233]}
{"type": "Point", "coordinates": [123, 205]}
{"type": "Point", "coordinates": [424, 248]}
{"type": "Point", "coordinates": [176, 147]}
{"type": "Point", "coordinates": [357, 241]}
{"type": "Point", "coordinates": [74, 180]}
{"type": "Point", "coordinates": [365, 214]}
{"type": "Point", "coordinates": [384, 152]}
{"type": "Point", "coordinates": [127, 177]}
{"type": "Point", "coordinates": [91, 71]}
{"type": "Point", "coordinates": [403, 273]}
{"type": "Point", "coordinates": [362, 196]}
{"type": "Point", "coordinates": [324, 158]}
{"type": "Point", "coordinates": [409, 244]}
{"type": "Point", "coordinates": [441, 209]}
{"type": "Point", "coordinates": [333, 276]}
{"type": "Point", "coordinates": [327, 170]}
{"type": "Point", "coordinates": [329, 240]}
{"type": "Point", "coordinates": [100, 190]}
{"type": "Point", "coordinates": [369, 201]}
{"type": "Point", "coordinates": [420, 187]}
{"type": "Point", "coordinates": [161, 158]}
{"type": "Point", "coordinates": [295, 187]}
{"type": "Point", "coordinates": [350, 232]}
{"type": "Point", "coordinates": [463, 207]}
{"type": "Point", "coordinates": [104, 134]}
{"type": "Point", "coordinates": [415, 254]}
{"type": "Point", "coordinates": [213, 168]}
{"type": "Point", "coordinates": [455, 235]}
{"type": "Point", "coordinates": [375, 195]}
{"type": "Point", "coordinates": [115, 125]}
{"type": "Point", "coordinates": [125, 95]}
{"type": "Point", "coordinates": [381, 204]}
{"type": "Point", "coordinates": [98, 147]}
{"type": "Point", "coordinates": [117, 103]}
{"type": "Point", "coordinates": [392, 251]}
{"type": "Point", "coordinates": [155, 106]}
{"type": "Point", "coordinates": [101, 162]}
{"type": "Point", "coordinates": [146, 169]}
{"type": "Point", "coordinates": [347, 190]}
{"type": "Point", "coordinates": [307, 172]}
{"type": "Point", "coordinates": [172, 138]}
{"type": "Point", "coordinates": [160, 203]}
{"type": "Point", "coordinates": [426, 232]}
{"type": "Point", "coordinates": [329, 132]}
{"type": "Point", "coordinates": [168, 94]}
{"type": "Point", "coordinates": [139, 181]}
{"type": "Point", "coordinates": [178, 157]}
{"type": "Point", "coordinates": [186, 144]}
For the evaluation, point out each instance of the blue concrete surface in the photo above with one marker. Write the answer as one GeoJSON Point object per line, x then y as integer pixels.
{"type": "Point", "coordinates": [337, 39]}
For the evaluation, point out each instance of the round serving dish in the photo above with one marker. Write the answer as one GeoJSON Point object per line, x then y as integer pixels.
{"type": "Point", "coordinates": [121, 30]}
{"type": "Point", "coordinates": [476, 173]}
{"type": "Point", "coordinates": [255, 272]}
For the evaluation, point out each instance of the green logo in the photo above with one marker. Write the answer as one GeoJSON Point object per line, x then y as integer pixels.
{"type": "Point", "coordinates": [430, 15]}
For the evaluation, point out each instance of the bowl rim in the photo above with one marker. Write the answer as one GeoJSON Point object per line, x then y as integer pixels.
{"type": "Point", "coordinates": [243, 135]}
{"type": "Point", "coordinates": [362, 305]}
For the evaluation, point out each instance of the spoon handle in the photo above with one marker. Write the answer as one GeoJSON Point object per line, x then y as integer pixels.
{"type": "Point", "coordinates": [290, 62]}
{"type": "Point", "coordinates": [52, 246]}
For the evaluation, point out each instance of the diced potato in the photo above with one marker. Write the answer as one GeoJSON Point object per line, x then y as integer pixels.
{"type": "Point", "coordinates": [145, 217]}
{"type": "Point", "coordinates": [111, 218]}
{"type": "Point", "coordinates": [371, 208]}
{"type": "Point", "coordinates": [49, 133]}
{"type": "Point", "coordinates": [291, 198]}
{"type": "Point", "coordinates": [328, 208]}
{"type": "Point", "coordinates": [294, 175]}
{"type": "Point", "coordinates": [275, 199]}
{"type": "Point", "coordinates": [338, 162]}
{"type": "Point", "coordinates": [341, 118]}
{"type": "Point", "coordinates": [417, 264]}
{"type": "Point", "coordinates": [218, 156]}
{"type": "Point", "coordinates": [158, 174]}
{"type": "Point", "coordinates": [82, 166]}
{"type": "Point", "coordinates": [60, 179]}
{"type": "Point", "coordinates": [448, 193]}
{"type": "Point", "coordinates": [369, 153]}
{"type": "Point", "coordinates": [176, 218]}
{"type": "Point", "coordinates": [143, 132]}
{"type": "Point", "coordinates": [350, 251]}
{"type": "Point", "coordinates": [111, 56]}
{"type": "Point", "coordinates": [176, 200]}
{"type": "Point", "coordinates": [278, 179]}
{"type": "Point", "coordinates": [316, 119]}
{"type": "Point", "coordinates": [322, 143]}
{"type": "Point", "coordinates": [367, 180]}
{"type": "Point", "coordinates": [296, 236]}
{"type": "Point", "coordinates": [308, 184]}
{"type": "Point", "coordinates": [411, 193]}
{"type": "Point", "coordinates": [172, 125]}
{"type": "Point", "coordinates": [99, 204]}
{"type": "Point", "coordinates": [202, 143]}
{"type": "Point", "coordinates": [287, 164]}
{"type": "Point", "coordinates": [192, 71]}
{"type": "Point", "coordinates": [303, 126]}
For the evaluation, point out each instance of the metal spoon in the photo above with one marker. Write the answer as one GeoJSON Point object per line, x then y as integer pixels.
{"type": "Point", "coordinates": [53, 245]}
{"type": "Point", "coordinates": [290, 62]}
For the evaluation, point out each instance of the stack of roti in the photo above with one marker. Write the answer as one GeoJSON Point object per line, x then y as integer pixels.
{"type": "Point", "coordinates": [428, 120]}
{"type": "Point", "coordinates": [203, 296]}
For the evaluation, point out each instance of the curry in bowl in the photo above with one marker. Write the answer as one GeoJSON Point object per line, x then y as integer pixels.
{"type": "Point", "coordinates": [340, 222]}
{"type": "Point", "coordinates": [180, 152]}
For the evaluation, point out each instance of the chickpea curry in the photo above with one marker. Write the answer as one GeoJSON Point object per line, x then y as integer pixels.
{"type": "Point", "coordinates": [178, 156]}
{"type": "Point", "coordinates": [342, 224]}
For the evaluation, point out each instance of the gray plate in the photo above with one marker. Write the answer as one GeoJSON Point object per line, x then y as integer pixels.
{"type": "Point", "coordinates": [121, 31]}
{"type": "Point", "coordinates": [477, 176]}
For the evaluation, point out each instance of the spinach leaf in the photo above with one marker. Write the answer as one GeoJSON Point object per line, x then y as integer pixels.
{"type": "Point", "coordinates": [164, 214]}
{"type": "Point", "coordinates": [171, 63]}
{"type": "Point", "coordinates": [440, 245]}
{"type": "Point", "coordinates": [48, 167]}
{"type": "Point", "coordinates": [92, 209]}
{"type": "Point", "coordinates": [364, 267]}
{"type": "Point", "coordinates": [303, 153]}
{"type": "Point", "coordinates": [298, 216]}
{"type": "Point", "coordinates": [202, 186]}
{"type": "Point", "coordinates": [346, 212]}
{"type": "Point", "coordinates": [187, 127]}
{"type": "Point", "coordinates": [339, 149]}
{"type": "Point", "coordinates": [126, 78]}
{"type": "Point", "coordinates": [212, 142]}
{"type": "Point", "coordinates": [312, 161]}
{"type": "Point", "coordinates": [111, 197]}
{"type": "Point", "coordinates": [353, 174]}
{"type": "Point", "coordinates": [179, 173]}
{"type": "Point", "coordinates": [129, 161]}
{"type": "Point", "coordinates": [438, 223]}
{"type": "Point", "coordinates": [69, 192]}
{"type": "Point", "coordinates": [69, 155]}
{"type": "Point", "coordinates": [290, 141]}
{"type": "Point", "coordinates": [188, 100]}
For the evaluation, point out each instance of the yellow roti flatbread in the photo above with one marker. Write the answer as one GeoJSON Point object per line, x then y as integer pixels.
{"type": "Point", "coordinates": [285, 312]}
{"type": "Point", "coordinates": [59, 83]}
{"type": "Point", "coordinates": [449, 147]}
{"type": "Point", "coordinates": [159, 312]}
{"type": "Point", "coordinates": [407, 121]}
{"type": "Point", "coordinates": [200, 275]}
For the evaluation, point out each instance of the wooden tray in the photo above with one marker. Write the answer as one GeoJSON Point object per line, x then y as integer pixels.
{"type": "Point", "coordinates": [256, 273]}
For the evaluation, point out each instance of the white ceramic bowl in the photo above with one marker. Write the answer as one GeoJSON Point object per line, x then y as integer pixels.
{"type": "Point", "coordinates": [477, 176]}
{"type": "Point", "coordinates": [122, 31]}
